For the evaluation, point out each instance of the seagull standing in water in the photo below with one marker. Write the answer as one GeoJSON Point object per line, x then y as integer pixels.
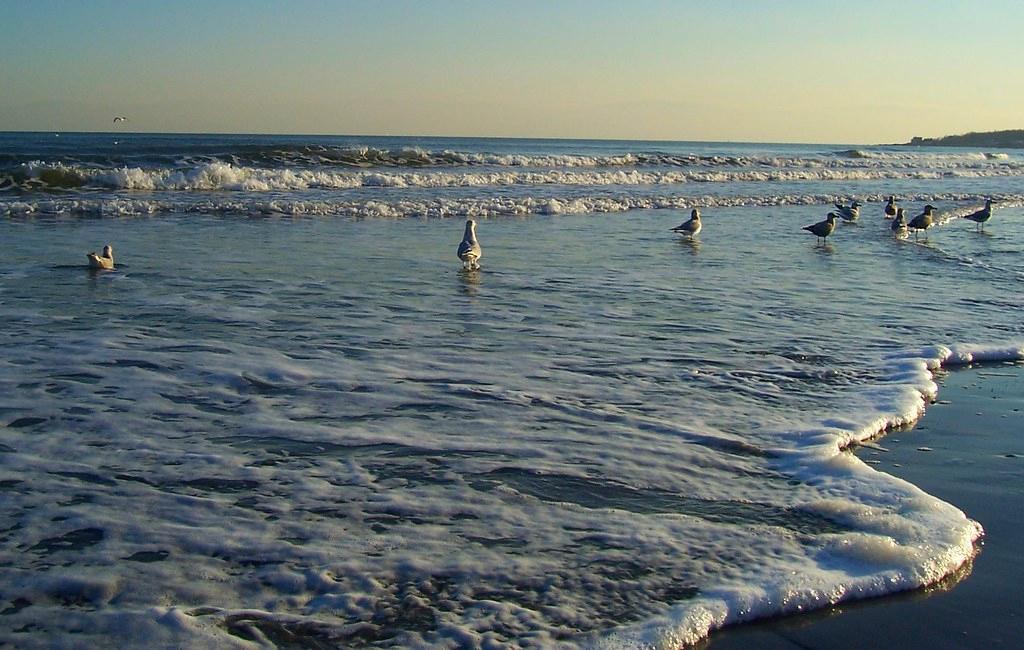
{"type": "Point", "coordinates": [890, 208]}
{"type": "Point", "coordinates": [691, 226]}
{"type": "Point", "coordinates": [823, 229]}
{"type": "Point", "coordinates": [922, 221]}
{"type": "Point", "coordinates": [851, 212]}
{"type": "Point", "coordinates": [469, 249]}
{"type": "Point", "coordinates": [899, 225]}
{"type": "Point", "coordinates": [981, 216]}
{"type": "Point", "coordinates": [104, 261]}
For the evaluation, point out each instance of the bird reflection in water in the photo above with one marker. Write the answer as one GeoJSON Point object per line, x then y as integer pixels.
{"type": "Point", "coordinates": [689, 245]}
{"type": "Point", "coordinates": [469, 281]}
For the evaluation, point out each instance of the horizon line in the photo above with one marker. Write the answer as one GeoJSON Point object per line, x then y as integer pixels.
{"type": "Point", "coordinates": [449, 137]}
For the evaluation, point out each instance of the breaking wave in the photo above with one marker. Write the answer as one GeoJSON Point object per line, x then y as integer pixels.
{"type": "Point", "coordinates": [221, 176]}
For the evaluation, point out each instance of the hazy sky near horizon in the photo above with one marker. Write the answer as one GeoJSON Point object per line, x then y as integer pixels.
{"type": "Point", "coordinates": [864, 71]}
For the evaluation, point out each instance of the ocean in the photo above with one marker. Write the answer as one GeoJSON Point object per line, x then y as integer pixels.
{"type": "Point", "coordinates": [289, 417]}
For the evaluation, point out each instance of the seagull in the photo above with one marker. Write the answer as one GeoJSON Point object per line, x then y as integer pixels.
{"type": "Point", "coordinates": [104, 261]}
{"type": "Point", "coordinates": [824, 228]}
{"type": "Point", "coordinates": [981, 216]}
{"type": "Point", "coordinates": [922, 221]}
{"type": "Point", "coordinates": [899, 225]}
{"type": "Point", "coordinates": [120, 118]}
{"type": "Point", "coordinates": [849, 213]}
{"type": "Point", "coordinates": [691, 226]}
{"type": "Point", "coordinates": [469, 249]}
{"type": "Point", "coordinates": [890, 208]}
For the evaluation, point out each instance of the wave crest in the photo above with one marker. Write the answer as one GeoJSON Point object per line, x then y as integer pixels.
{"type": "Point", "coordinates": [222, 176]}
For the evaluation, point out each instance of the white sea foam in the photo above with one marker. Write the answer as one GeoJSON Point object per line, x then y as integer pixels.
{"type": "Point", "coordinates": [919, 157]}
{"type": "Point", "coordinates": [221, 176]}
{"type": "Point", "coordinates": [898, 537]}
{"type": "Point", "coordinates": [367, 156]}
{"type": "Point", "coordinates": [453, 207]}
{"type": "Point", "coordinates": [917, 538]}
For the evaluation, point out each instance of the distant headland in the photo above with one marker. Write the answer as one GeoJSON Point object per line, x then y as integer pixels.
{"type": "Point", "coordinates": [1013, 139]}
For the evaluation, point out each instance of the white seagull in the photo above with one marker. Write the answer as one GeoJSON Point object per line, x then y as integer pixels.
{"type": "Point", "coordinates": [691, 227]}
{"type": "Point", "coordinates": [899, 225]}
{"type": "Point", "coordinates": [851, 212]}
{"type": "Point", "coordinates": [103, 261]}
{"type": "Point", "coordinates": [469, 249]}
{"type": "Point", "coordinates": [120, 118]}
{"type": "Point", "coordinates": [981, 216]}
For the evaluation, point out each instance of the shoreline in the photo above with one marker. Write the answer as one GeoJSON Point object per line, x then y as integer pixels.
{"type": "Point", "coordinates": [966, 450]}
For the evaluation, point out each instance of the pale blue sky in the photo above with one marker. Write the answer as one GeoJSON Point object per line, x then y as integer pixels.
{"type": "Point", "coordinates": [790, 70]}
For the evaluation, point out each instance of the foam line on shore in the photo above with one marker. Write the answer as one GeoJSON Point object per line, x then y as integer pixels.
{"type": "Point", "coordinates": [437, 207]}
{"type": "Point", "coordinates": [921, 538]}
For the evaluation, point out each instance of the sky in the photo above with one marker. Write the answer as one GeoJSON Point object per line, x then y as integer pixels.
{"type": "Point", "coordinates": [858, 72]}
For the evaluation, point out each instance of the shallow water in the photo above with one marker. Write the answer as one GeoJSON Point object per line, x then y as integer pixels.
{"type": "Point", "coordinates": [267, 428]}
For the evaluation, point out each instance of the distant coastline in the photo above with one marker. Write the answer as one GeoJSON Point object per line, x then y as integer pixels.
{"type": "Point", "coordinates": [1012, 139]}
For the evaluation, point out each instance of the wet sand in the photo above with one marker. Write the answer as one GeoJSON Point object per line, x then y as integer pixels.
{"type": "Point", "coordinates": [968, 450]}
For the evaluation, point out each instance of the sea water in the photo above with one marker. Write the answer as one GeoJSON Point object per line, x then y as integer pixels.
{"type": "Point", "coordinates": [289, 417]}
